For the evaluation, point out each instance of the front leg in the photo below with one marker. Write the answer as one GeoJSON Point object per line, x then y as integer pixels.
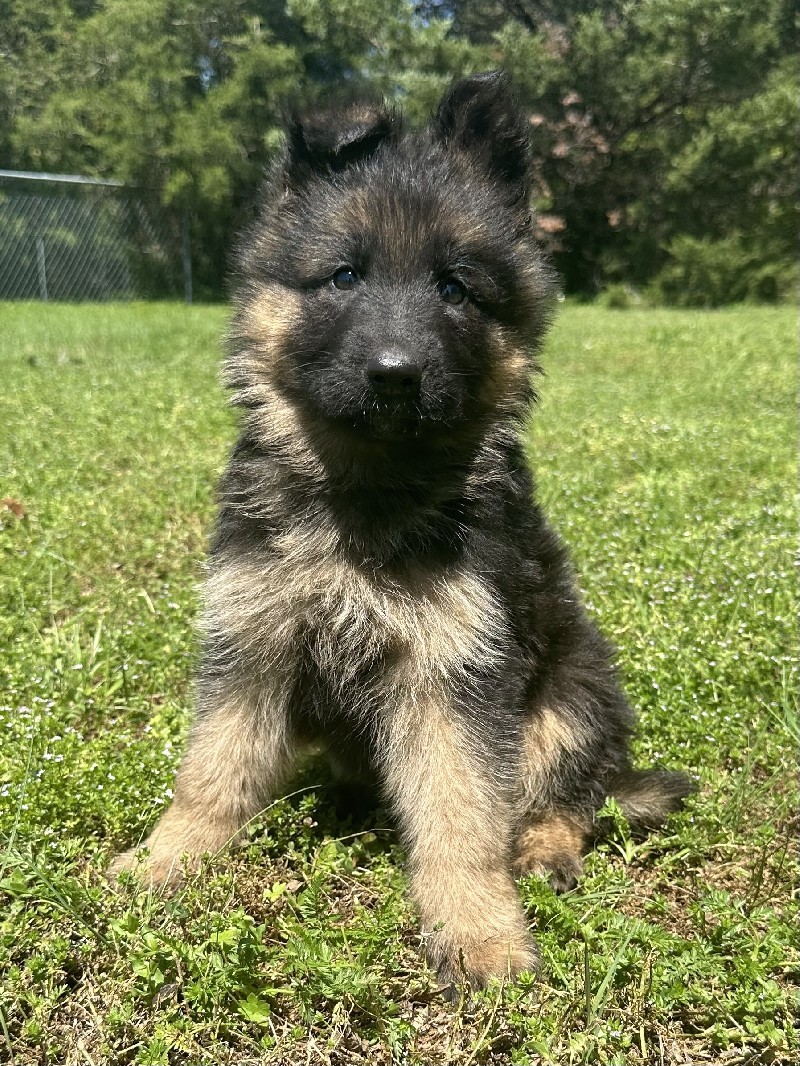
{"type": "Point", "coordinates": [457, 822]}
{"type": "Point", "coordinates": [240, 751]}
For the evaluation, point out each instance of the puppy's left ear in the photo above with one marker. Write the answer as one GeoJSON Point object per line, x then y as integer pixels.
{"type": "Point", "coordinates": [480, 116]}
{"type": "Point", "coordinates": [328, 141]}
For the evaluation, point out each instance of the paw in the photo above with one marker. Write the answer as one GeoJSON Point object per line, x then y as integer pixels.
{"type": "Point", "coordinates": [475, 962]}
{"type": "Point", "coordinates": [561, 870]}
{"type": "Point", "coordinates": [158, 867]}
{"type": "Point", "coordinates": [173, 849]}
{"type": "Point", "coordinates": [552, 847]}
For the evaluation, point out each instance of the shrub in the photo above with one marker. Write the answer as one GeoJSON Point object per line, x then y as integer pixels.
{"type": "Point", "coordinates": [708, 273]}
{"type": "Point", "coordinates": [619, 297]}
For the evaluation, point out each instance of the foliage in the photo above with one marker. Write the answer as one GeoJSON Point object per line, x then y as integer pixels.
{"type": "Point", "coordinates": [632, 103]}
{"type": "Point", "coordinates": [650, 120]}
{"type": "Point", "coordinates": [618, 297]}
{"type": "Point", "coordinates": [665, 454]}
{"type": "Point", "coordinates": [741, 168]}
{"type": "Point", "coordinates": [708, 273]}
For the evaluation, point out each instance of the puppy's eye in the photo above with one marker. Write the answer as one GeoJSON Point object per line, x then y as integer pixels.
{"type": "Point", "coordinates": [452, 291]}
{"type": "Point", "coordinates": [345, 278]}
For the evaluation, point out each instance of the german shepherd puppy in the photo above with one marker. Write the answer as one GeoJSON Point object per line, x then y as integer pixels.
{"type": "Point", "coordinates": [381, 579]}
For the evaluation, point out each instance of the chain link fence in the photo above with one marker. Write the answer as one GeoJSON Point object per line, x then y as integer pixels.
{"type": "Point", "coordinates": [66, 237]}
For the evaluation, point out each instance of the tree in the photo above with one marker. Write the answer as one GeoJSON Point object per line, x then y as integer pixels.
{"type": "Point", "coordinates": [186, 99]}
{"type": "Point", "coordinates": [651, 120]}
{"type": "Point", "coordinates": [622, 97]}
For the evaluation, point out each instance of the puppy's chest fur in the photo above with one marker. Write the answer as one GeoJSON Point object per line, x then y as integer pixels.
{"type": "Point", "coordinates": [299, 606]}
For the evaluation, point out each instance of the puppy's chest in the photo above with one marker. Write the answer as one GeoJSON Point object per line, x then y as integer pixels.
{"type": "Point", "coordinates": [305, 601]}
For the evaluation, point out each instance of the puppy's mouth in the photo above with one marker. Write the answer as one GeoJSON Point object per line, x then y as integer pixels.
{"type": "Point", "coordinates": [394, 418]}
{"type": "Point", "coordinates": [397, 417]}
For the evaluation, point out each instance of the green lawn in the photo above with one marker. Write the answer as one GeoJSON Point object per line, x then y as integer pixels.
{"type": "Point", "coordinates": [666, 452]}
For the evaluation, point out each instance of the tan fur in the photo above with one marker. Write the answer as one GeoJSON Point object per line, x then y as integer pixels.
{"type": "Point", "coordinates": [553, 846]}
{"type": "Point", "coordinates": [356, 212]}
{"type": "Point", "coordinates": [351, 615]}
{"type": "Point", "coordinates": [456, 818]}
{"type": "Point", "coordinates": [466, 229]}
{"type": "Point", "coordinates": [458, 831]}
{"type": "Point", "coordinates": [505, 389]}
{"type": "Point", "coordinates": [268, 317]}
{"type": "Point", "coordinates": [260, 335]}
{"type": "Point", "coordinates": [549, 737]}
{"type": "Point", "coordinates": [238, 755]}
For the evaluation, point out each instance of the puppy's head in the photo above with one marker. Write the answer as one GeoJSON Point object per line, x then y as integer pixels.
{"type": "Point", "coordinates": [391, 288]}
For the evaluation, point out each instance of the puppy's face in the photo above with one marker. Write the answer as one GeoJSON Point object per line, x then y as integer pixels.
{"type": "Point", "coordinates": [416, 294]}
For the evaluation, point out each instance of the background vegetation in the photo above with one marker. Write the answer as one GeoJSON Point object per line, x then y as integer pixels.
{"type": "Point", "coordinates": [664, 130]}
{"type": "Point", "coordinates": [666, 454]}
{"type": "Point", "coordinates": [664, 139]}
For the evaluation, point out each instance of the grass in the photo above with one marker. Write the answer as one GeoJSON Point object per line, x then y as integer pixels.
{"type": "Point", "coordinates": [666, 454]}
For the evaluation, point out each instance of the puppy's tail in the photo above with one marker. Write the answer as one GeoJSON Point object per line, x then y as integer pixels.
{"type": "Point", "coordinates": [648, 797]}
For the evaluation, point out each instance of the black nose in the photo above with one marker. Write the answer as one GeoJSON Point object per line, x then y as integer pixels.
{"type": "Point", "coordinates": [395, 374]}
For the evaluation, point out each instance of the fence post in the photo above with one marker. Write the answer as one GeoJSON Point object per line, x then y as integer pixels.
{"type": "Point", "coordinates": [186, 256]}
{"type": "Point", "coordinates": [41, 267]}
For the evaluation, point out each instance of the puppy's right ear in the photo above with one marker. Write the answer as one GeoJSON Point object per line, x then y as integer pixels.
{"type": "Point", "coordinates": [480, 116]}
{"type": "Point", "coordinates": [327, 142]}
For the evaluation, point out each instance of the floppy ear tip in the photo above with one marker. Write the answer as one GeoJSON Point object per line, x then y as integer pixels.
{"type": "Point", "coordinates": [327, 140]}
{"type": "Point", "coordinates": [327, 132]}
